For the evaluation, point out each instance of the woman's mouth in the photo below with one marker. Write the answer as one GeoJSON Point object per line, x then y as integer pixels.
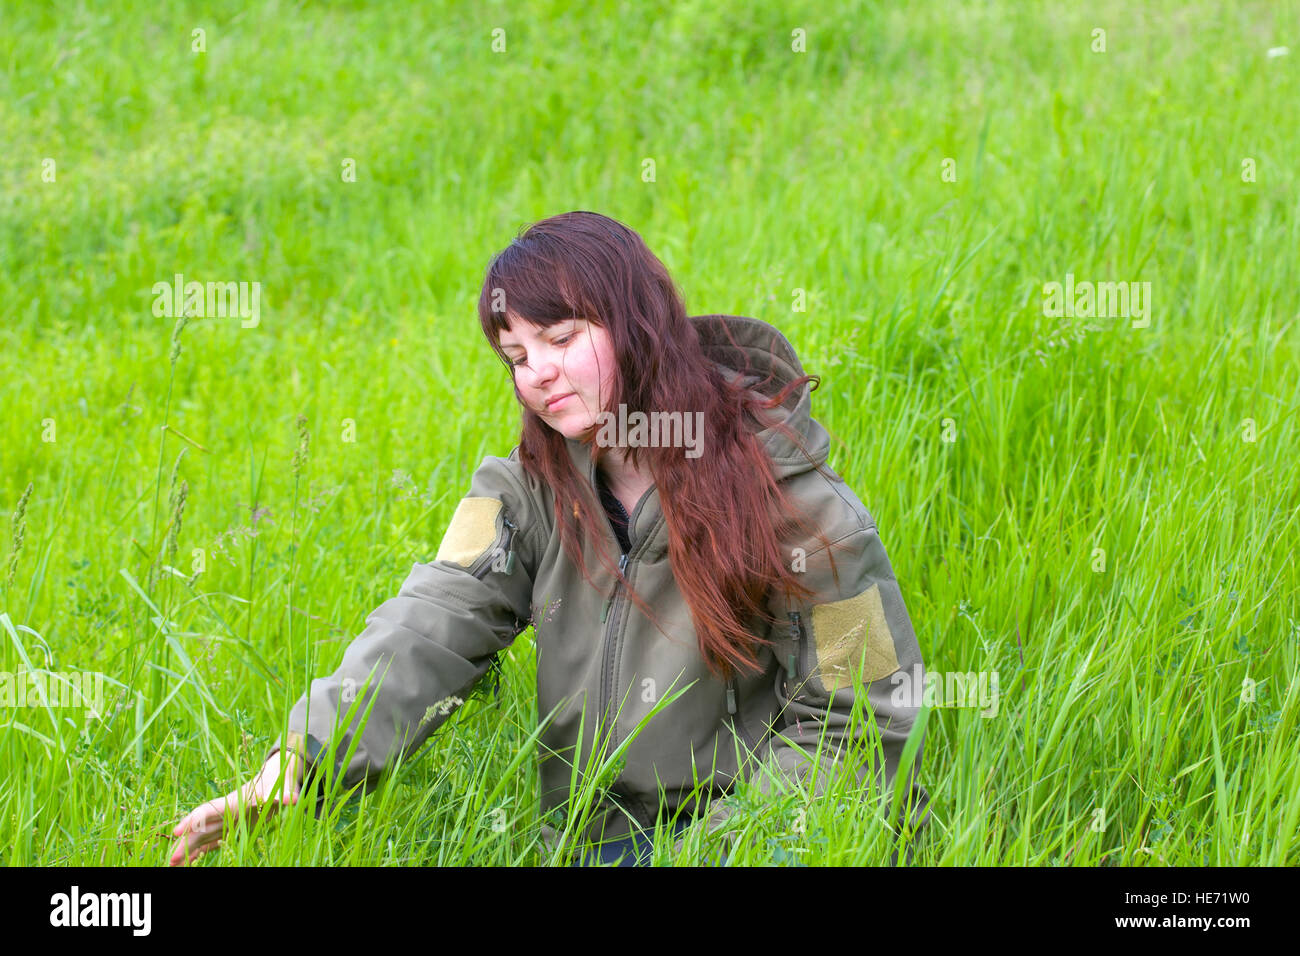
{"type": "Point", "coordinates": [558, 400]}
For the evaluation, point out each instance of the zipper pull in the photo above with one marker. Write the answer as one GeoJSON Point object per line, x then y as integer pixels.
{"type": "Point", "coordinates": [510, 542]}
{"type": "Point", "coordinates": [622, 566]}
{"type": "Point", "coordinates": [731, 696]}
{"type": "Point", "coordinates": [796, 634]}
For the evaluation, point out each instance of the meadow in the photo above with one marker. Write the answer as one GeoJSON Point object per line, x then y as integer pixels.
{"type": "Point", "coordinates": [1095, 500]}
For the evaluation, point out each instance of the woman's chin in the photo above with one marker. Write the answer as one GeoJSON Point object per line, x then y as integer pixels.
{"type": "Point", "coordinates": [577, 428]}
{"type": "Point", "coordinates": [578, 431]}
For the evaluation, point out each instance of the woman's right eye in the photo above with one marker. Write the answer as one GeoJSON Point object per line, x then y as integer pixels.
{"type": "Point", "coordinates": [562, 340]}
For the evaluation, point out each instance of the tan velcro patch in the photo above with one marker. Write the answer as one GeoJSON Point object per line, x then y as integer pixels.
{"type": "Point", "coordinates": [471, 532]}
{"type": "Point", "coordinates": [841, 628]}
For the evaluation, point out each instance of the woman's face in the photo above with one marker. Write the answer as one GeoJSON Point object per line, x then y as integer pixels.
{"type": "Point", "coordinates": [563, 373]}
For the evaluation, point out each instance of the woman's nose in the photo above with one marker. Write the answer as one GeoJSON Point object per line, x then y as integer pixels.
{"type": "Point", "coordinates": [544, 373]}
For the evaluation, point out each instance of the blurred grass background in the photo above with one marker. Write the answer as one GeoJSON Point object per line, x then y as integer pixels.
{"type": "Point", "coordinates": [1124, 690]}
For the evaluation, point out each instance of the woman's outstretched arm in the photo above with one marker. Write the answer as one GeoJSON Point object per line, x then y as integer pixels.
{"type": "Point", "coordinates": [420, 653]}
{"type": "Point", "coordinates": [427, 647]}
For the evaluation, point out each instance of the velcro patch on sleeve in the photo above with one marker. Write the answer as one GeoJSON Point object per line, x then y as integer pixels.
{"type": "Point", "coordinates": [471, 532]}
{"type": "Point", "coordinates": [841, 630]}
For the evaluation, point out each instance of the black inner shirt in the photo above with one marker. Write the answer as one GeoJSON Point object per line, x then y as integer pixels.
{"type": "Point", "coordinates": [618, 515]}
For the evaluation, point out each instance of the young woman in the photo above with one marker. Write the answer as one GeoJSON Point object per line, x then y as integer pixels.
{"type": "Point", "coordinates": [669, 525]}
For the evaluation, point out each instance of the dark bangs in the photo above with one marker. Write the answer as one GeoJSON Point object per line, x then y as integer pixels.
{"type": "Point", "coordinates": [535, 282]}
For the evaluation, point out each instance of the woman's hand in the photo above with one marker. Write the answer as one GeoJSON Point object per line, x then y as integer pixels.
{"type": "Point", "coordinates": [202, 829]}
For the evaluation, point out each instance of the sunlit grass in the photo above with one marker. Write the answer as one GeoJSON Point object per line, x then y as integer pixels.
{"type": "Point", "coordinates": [1111, 527]}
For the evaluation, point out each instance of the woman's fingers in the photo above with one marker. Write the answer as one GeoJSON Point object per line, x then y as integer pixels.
{"type": "Point", "coordinates": [199, 832]}
{"type": "Point", "coordinates": [190, 819]}
{"type": "Point", "coordinates": [202, 829]}
{"type": "Point", "coordinates": [184, 852]}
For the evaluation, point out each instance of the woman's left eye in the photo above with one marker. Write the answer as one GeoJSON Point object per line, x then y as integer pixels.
{"type": "Point", "coordinates": [563, 340]}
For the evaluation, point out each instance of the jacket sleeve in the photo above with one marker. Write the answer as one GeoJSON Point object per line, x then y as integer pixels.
{"type": "Point", "coordinates": [845, 644]}
{"type": "Point", "coordinates": [423, 651]}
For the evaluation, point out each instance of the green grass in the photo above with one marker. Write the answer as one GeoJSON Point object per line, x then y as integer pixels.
{"type": "Point", "coordinates": [1121, 689]}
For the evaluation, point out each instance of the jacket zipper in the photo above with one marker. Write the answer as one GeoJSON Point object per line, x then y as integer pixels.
{"type": "Point", "coordinates": [622, 566]}
{"type": "Point", "coordinates": [509, 528]}
{"type": "Point", "coordinates": [796, 665]}
{"type": "Point", "coordinates": [611, 603]}
{"type": "Point", "coordinates": [738, 721]}
{"type": "Point", "coordinates": [607, 655]}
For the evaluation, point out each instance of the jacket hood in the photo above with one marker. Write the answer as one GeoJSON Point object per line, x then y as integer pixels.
{"type": "Point", "coordinates": [752, 350]}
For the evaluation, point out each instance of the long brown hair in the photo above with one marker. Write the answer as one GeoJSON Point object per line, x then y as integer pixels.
{"type": "Point", "coordinates": [724, 510]}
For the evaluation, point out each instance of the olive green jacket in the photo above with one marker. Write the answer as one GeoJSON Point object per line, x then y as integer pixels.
{"type": "Point", "coordinates": [501, 567]}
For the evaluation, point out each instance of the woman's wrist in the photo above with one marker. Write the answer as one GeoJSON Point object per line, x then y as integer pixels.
{"type": "Point", "coordinates": [300, 751]}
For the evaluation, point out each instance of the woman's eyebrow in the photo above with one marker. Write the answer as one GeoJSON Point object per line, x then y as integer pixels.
{"type": "Point", "coordinates": [555, 329]}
